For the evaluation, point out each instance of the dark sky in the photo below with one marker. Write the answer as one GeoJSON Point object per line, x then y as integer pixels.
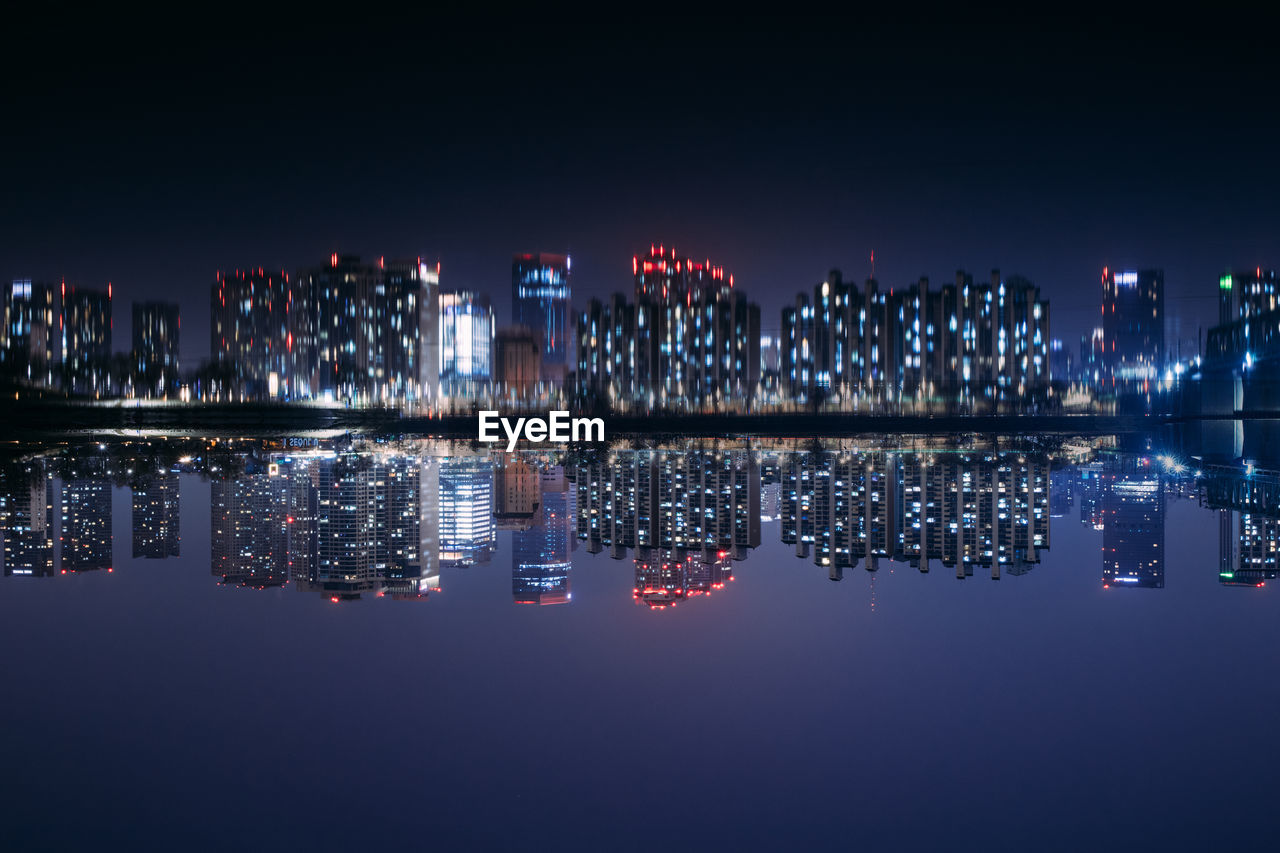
{"type": "Point", "coordinates": [152, 157]}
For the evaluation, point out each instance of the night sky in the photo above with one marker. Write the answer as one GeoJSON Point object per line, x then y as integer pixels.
{"type": "Point", "coordinates": [153, 157]}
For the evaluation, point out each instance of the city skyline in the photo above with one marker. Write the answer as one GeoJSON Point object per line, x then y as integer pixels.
{"type": "Point", "coordinates": [798, 153]}
{"type": "Point", "coordinates": [929, 365]}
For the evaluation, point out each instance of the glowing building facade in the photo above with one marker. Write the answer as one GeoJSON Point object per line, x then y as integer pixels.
{"type": "Point", "coordinates": [541, 299]}
{"type": "Point", "coordinates": [690, 341]}
{"type": "Point", "coordinates": [960, 345]}
{"type": "Point", "coordinates": [1132, 327]}
{"type": "Point", "coordinates": [86, 339]}
{"type": "Point", "coordinates": [156, 327]}
{"type": "Point", "coordinates": [467, 335]}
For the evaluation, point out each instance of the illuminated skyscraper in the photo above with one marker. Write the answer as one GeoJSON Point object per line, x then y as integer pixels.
{"type": "Point", "coordinates": [346, 330]}
{"type": "Point", "coordinates": [1132, 326]}
{"type": "Point", "coordinates": [155, 348]}
{"type": "Point", "coordinates": [541, 297]}
{"type": "Point", "coordinates": [690, 342]}
{"type": "Point", "coordinates": [86, 339]}
{"type": "Point", "coordinates": [466, 344]}
{"type": "Point", "coordinates": [965, 343]}
{"type": "Point", "coordinates": [31, 341]}
{"type": "Point", "coordinates": [262, 336]}
{"type": "Point", "coordinates": [375, 328]}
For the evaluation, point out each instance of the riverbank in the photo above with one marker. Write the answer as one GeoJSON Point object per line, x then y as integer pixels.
{"type": "Point", "coordinates": [23, 419]}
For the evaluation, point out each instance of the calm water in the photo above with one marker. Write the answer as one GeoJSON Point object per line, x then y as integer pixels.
{"type": "Point", "coordinates": [309, 645]}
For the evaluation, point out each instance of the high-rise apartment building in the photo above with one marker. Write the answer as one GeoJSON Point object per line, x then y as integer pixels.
{"type": "Point", "coordinates": [962, 344]}
{"type": "Point", "coordinates": [156, 326]}
{"type": "Point", "coordinates": [689, 342]}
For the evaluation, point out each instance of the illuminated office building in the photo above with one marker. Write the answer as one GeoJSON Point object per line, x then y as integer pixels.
{"type": "Point", "coordinates": [156, 326]}
{"type": "Point", "coordinates": [1132, 326]}
{"type": "Point", "coordinates": [541, 296]}
{"type": "Point", "coordinates": [156, 517]}
{"type": "Point", "coordinates": [466, 345]}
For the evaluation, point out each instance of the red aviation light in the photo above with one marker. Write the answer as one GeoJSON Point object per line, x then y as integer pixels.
{"type": "Point", "coordinates": [635, 265]}
{"type": "Point", "coordinates": [333, 259]}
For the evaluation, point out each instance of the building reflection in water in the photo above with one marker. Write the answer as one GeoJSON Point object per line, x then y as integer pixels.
{"type": "Point", "coordinates": [468, 531]}
{"type": "Point", "coordinates": [86, 518]}
{"type": "Point", "coordinates": [686, 515]}
{"type": "Point", "coordinates": [384, 521]}
{"type": "Point", "coordinates": [1247, 502]}
{"type": "Point", "coordinates": [26, 518]}
{"type": "Point", "coordinates": [249, 527]}
{"type": "Point", "coordinates": [541, 567]}
{"type": "Point", "coordinates": [157, 510]}
{"type": "Point", "coordinates": [1133, 515]}
{"type": "Point", "coordinates": [963, 510]}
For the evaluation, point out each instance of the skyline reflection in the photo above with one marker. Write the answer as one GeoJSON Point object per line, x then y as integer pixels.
{"type": "Point", "coordinates": [395, 520]}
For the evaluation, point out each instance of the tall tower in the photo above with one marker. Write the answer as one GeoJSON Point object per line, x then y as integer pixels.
{"type": "Point", "coordinates": [540, 299]}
